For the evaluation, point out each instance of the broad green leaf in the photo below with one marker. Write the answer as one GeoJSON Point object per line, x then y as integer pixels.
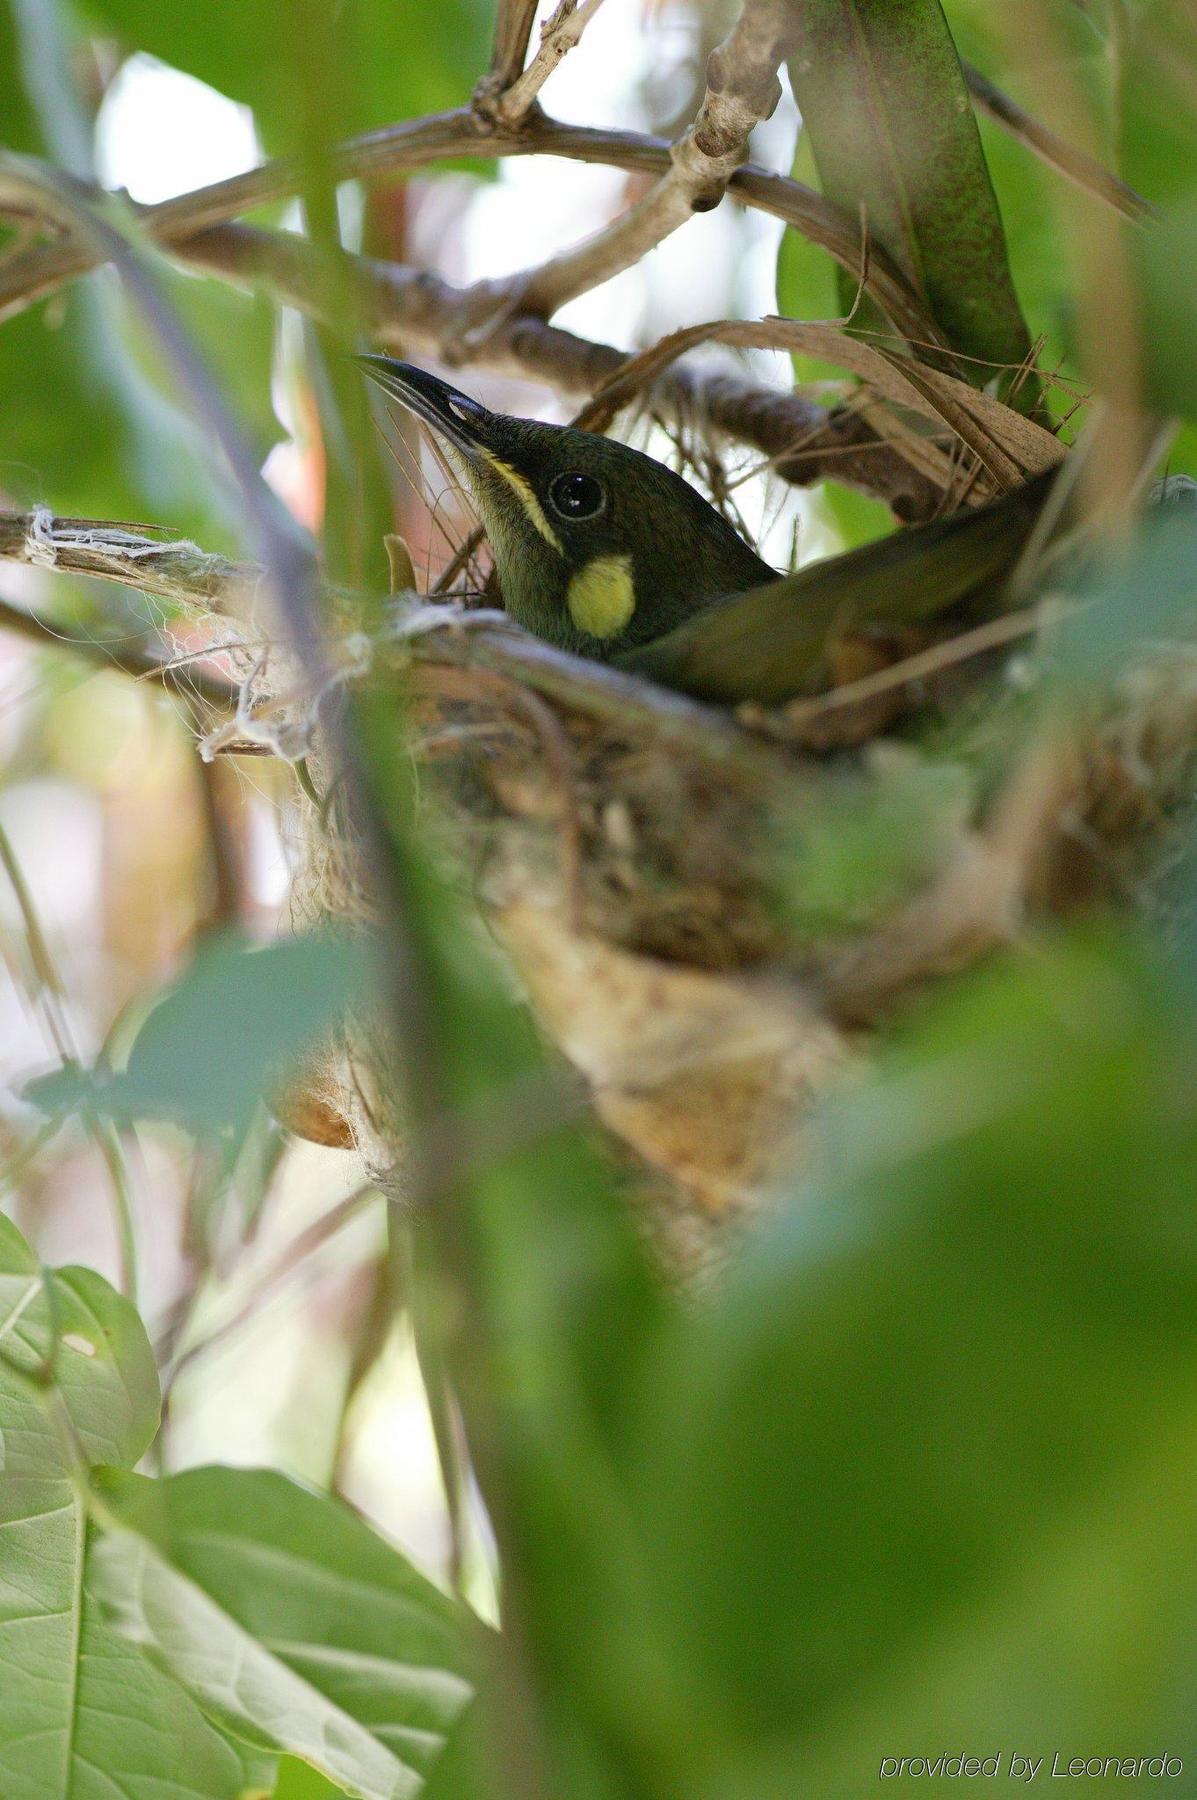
{"type": "Point", "coordinates": [923, 1476]}
{"type": "Point", "coordinates": [224, 1033]}
{"type": "Point", "coordinates": [299, 1781]}
{"type": "Point", "coordinates": [81, 1712]}
{"type": "Point", "coordinates": [882, 96]}
{"type": "Point", "coordinates": [288, 1620]}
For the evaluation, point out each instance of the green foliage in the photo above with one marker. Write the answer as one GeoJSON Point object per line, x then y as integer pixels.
{"type": "Point", "coordinates": [169, 1635]}
{"type": "Point", "coordinates": [216, 1042]}
{"type": "Point", "coordinates": [891, 128]}
{"type": "Point", "coordinates": [864, 845]}
{"type": "Point", "coordinates": [940, 1425]}
{"type": "Point", "coordinates": [79, 1708]}
{"type": "Point", "coordinates": [287, 1619]}
{"type": "Point", "coordinates": [90, 422]}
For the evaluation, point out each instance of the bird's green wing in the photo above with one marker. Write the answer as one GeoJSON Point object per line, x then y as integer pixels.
{"type": "Point", "coordinates": [768, 644]}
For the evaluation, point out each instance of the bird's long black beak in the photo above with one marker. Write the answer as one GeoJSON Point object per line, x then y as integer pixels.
{"type": "Point", "coordinates": [458, 419]}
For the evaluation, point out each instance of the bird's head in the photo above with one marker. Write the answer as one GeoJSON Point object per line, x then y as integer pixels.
{"type": "Point", "coordinates": [598, 547]}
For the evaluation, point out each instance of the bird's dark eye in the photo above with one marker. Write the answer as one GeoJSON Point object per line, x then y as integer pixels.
{"type": "Point", "coordinates": [577, 496]}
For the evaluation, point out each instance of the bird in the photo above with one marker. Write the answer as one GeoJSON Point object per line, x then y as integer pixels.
{"type": "Point", "coordinates": [603, 551]}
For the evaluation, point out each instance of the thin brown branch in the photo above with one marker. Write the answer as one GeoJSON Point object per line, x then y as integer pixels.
{"type": "Point", "coordinates": [111, 551]}
{"type": "Point", "coordinates": [507, 101]}
{"type": "Point", "coordinates": [513, 28]}
{"type": "Point", "coordinates": [572, 681]}
{"type": "Point", "coordinates": [742, 89]}
{"type": "Point", "coordinates": [1054, 150]}
{"type": "Point", "coordinates": [31, 275]}
{"type": "Point", "coordinates": [994, 634]}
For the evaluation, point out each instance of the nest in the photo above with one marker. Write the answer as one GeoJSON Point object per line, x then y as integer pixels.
{"type": "Point", "coordinates": [669, 882]}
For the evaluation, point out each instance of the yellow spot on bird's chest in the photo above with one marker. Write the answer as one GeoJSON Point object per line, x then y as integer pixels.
{"type": "Point", "coordinates": [523, 491]}
{"type": "Point", "coordinates": [602, 597]}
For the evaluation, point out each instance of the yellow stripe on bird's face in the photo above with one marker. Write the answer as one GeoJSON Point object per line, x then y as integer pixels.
{"type": "Point", "coordinates": [523, 491]}
{"type": "Point", "coordinates": [602, 596]}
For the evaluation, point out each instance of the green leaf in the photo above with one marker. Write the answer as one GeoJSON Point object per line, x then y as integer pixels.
{"type": "Point", "coordinates": [299, 1781]}
{"type": "Point", "coordinates": [81, 1712]}
{"type": "Point", "coordinates": [882, 96]}
{"type": "Point", "coordinates": [923, 1476]}
{"type": "Point", "coordinates": [288, 1620]}
{"type": "Point", "coordinates": [229, 1028]}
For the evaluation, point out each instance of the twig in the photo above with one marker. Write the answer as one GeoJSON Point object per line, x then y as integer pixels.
{"type": "Point", "coordinates": [50, 991]}
{"type": "Point", "coordinates": [506, 102]}
{"type": "Point", "coordinates": [109, 550]}
{"type": "Point", "coordinates": [572, 681]}
{"type": "Point", "coordinates": [742, 89]}
{"type": "Point", "coordinates": [141, 663]}
{"type": "Point", "coordinates": [286, 1264]}
{"type": "Point", "coordinates": [513, 28]}
{"type": "Point", "coordinates": [1054, 150]}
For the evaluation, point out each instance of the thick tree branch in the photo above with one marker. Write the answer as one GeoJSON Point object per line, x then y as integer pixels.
{"type": "Point", "coordinates": [110, 551]}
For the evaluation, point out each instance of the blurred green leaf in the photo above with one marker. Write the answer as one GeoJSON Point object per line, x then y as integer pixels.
{"type": "Point", "coordinates": [392, 64]}
{"type": "Point", "coordinates": [212, 1047]}
{"type": "Point", "coordinates": [883, 100]}
{"type": "Point", "coordinates": [922, 1478]}
{"type": "Point", "coordinates": [299, 1781]}
{"type": "Point", "coordinates": [92, 427]}
{"type": "Point", "coordinates": [865, 842]}
{"type": "Point", "coordinates": [1143, 595]}
{"type": "Point", "coordinates": [1156, 68]}
{"type": "Point", "coordinates": [535, 1279]}
{"type": "Point", "coordinates": [1167, 264]}
{"type": "Point", "coordinates": [81, 1713]}
{"type": "Point", "coordinates": [1033, 197]}
{"type": "Point", "coordinates": [289, 1620]}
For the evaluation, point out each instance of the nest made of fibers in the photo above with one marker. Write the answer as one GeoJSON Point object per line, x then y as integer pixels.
{"type": "Point", "coordinates": [710, 913]}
